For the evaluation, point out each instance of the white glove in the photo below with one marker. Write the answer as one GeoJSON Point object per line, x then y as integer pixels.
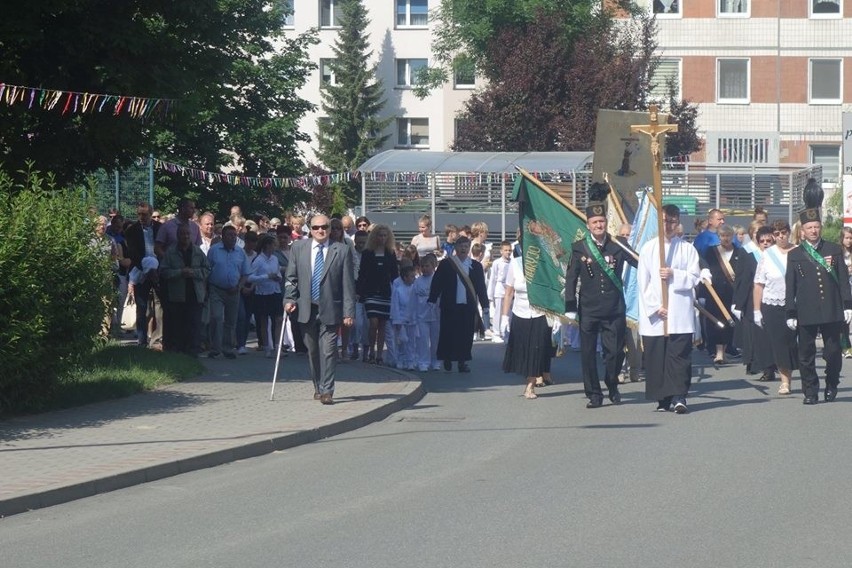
{"type": "Point", "coordinates": [571, 316]}
{"type": "Point", "coordinates": [758, 318]}
{"type": "Point", "coordinates": [738, 313]}
{"type": "Point", "coordinates": [792, 323]}
{"type": "Point", "coordinates": [847, 315]}
{"type": "Point", "coordinates": [702, 302]}
{"type": "Point", "coordinates": [504, 325]}
{"type": "Point", "coordinates": [706, 275]}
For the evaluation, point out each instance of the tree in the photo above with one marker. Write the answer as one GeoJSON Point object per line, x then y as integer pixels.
{"type": "Point", "coordinates": [351, 131]}
{"type": "Point", "coordinates": [231, 72]}
{"type": "Point", "coordinates": [546, 84]}
{"type": "Point", "coordinates": [680, 144]}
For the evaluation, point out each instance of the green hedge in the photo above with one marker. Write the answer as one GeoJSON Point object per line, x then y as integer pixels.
{"type": "Point", "coordinates": [53, 283]}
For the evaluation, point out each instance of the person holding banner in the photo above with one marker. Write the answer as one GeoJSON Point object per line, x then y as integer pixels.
{"type": "Point", "coordinates": [718, 260]}
{"type": "Point", "coordinates": [459, 283]}
{"type": "Point", "coordinates": [596, 266]}
{"type": "Point", "coordinates": [667, 327]}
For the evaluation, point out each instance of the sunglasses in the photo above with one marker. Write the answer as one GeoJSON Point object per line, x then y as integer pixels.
{"type": "Point", "coordinates": [319, 227]}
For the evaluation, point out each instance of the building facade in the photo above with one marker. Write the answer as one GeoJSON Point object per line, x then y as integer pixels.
{"type": "Point", "coordinates": [771, 77]}
{"type": "Point", "coordinates": [401, 39]}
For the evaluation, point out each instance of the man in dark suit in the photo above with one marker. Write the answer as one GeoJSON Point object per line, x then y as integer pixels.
{"type": "Point", "coordinates": [458, 297]}
{"type": "Point", "coordinates": [140, 238]}
{"type": "Point", "coordinates": [818, 301]}
{"type": "Point", "coordinates": [320, 289]}
{"type": "Point", "coordinates": [596, 264]}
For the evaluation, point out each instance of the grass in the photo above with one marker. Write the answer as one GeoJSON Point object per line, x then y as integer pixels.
{"type": "Point", "coordinates": [115, 371]}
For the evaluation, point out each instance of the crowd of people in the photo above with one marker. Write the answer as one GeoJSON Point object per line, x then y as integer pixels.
{"type": "Point", "coordinates": [345, 288]}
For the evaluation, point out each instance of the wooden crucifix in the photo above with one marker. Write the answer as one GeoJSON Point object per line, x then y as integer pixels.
{"type": "Point", "coordinates": [655, 130]}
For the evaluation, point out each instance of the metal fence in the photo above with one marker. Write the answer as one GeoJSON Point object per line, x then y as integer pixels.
{"type": "Point", "coordinates": [695, 187]}
{"type": "Point", "coordinates": [122, 189]}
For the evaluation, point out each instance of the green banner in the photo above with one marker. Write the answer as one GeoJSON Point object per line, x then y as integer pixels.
{"type": "Point", "coordinates": [549, 229]}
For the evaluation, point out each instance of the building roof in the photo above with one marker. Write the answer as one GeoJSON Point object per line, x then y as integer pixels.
{"type": "Point", "coordinates": [475, 162]}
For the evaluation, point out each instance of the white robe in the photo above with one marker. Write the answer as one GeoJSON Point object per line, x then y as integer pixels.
{"type": "Point", "coordinates": [683, 259]}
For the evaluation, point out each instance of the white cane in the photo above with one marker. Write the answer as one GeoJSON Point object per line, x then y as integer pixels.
{"type": "Point", "coordinates": [278, 357]}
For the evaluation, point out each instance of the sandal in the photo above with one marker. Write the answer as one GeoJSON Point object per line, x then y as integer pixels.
{"type": "Point", "coordinates": [784, 389]}
{"type": "Point", "coordinates": [529, 393]}
{"type": "Point", "coordinates": [539, 382]}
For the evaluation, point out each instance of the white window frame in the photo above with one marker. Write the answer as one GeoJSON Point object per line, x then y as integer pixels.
{"type": "Point", "coordinates": [837, 173]}
{"type": "Point", "coordinates": [819, 16]}
{"type": "Point", "coordinates": [679, 62]}
{"type": "Point", "coordinates": [464, 86]}
{"type": "Point", "coordinates": [408, 24]}
{"type": "Point", "coordinates": [289, 19]}
{"type": "Point", "coordinates": [332, 5]}
{"type": "Point", "coordinates": [742, 101]}
{"type": "Point", "coordinates": [410, 79]}
{"type": "Point", "coordinates": [324, 62]}
{"type": "Point", "coordinates": [722, 14]}
{"type": "Point", "coordinates": [667, 15]}
{"type": "Point", "coordinates": [817, 101]}
{"type": "Point", "coordinates": [405, 122]}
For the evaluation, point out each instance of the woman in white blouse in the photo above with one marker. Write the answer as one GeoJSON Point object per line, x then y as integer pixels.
{"type": "Point", "coordinates": [770, 295]}
{"type": "Point", "coordinates": [529, 349]}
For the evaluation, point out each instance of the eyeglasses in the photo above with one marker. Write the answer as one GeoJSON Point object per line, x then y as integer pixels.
{"type": "Point", "coordinates": [319, 227]}
{"type": "Point", "coordinates": [779, 233]}
{"type": "Point", "coordinates": [362, 224]}
{"type": "Point", "coordinates": [767, 241]}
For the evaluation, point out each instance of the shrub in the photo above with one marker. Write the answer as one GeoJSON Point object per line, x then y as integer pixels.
{"type": "Point", "coordinates": [52, 289]}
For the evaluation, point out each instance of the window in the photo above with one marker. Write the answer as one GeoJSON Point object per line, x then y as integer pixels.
{"type": "Point", "coordinates": [666, 8]}
{"type": "Point", "coordinates": [326, 73]}
{"type": "Point", "coordinates": [732, 81]}
{"type": "Point", "coordinates": [829, 158]}
{"type": "Point", "coordinates": [412, 13]}
{"type": "Point", "coordinates": [287, 6]}
{"type": "Point", "coordinates": [329, 16]}
{"type": "Point", "coordinates": [413, 132]}
{"type": "Point", "coordinates": [733, 8]}
{"type": "Point", "coordinates": [826, 78]}
{"type": "Point", "coordinates": [464, 73]}
{"type": "Point", "coordinates": [406, 71]}
{"type": "Point", "coordinates": [825, 8]}
{"type": "Point", "coordinates": [666, 73]}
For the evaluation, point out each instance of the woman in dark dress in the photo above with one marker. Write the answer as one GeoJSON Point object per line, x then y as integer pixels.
{"type": "Point", "coordinates": [379, 268]}
{"type": "Point", "coordinates": [718, 261]}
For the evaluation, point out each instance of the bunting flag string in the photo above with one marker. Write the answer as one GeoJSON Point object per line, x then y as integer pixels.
{"type": "Point", "coordinates": [75, 102]}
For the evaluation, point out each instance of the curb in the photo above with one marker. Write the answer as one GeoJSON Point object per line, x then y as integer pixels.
{"type": "Point", "coordinates": [145, 474]}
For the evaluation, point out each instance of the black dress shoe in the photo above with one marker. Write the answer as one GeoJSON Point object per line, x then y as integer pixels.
{"type": "Point", "coordinates": [810, 400]}
{"type": "Point", "coordinates": [448, 365]}
{"type": "Point", "coordinates": [595, 402]}
{"type": "Point", "coordinates": [615, 396]}
{"type": "Point", "coordinates": [463, 367]}
{"type": "Point", "coordinates": [830, 394]}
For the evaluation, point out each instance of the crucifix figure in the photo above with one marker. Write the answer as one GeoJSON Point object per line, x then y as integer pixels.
{"type": "Point", "coordinates": [655, 130]}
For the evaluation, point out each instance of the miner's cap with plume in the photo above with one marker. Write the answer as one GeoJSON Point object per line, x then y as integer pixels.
{"type": "Point", "coordinates": [812, 196]}
{"type": "Point", "coordinates": [597, 200]}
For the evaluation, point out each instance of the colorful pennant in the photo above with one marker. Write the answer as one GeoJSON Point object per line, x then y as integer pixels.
{"type": "Point", "coordinates": [75, 102]}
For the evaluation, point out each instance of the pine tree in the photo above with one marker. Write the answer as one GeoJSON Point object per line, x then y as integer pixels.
{"type": "Point", "coordinates": [353, 130]}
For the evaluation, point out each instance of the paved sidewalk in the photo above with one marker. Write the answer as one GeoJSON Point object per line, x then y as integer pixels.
{"type": "Point", "coordinates": [225, 415]}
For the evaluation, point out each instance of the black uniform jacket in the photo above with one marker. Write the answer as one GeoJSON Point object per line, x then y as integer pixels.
{"type": "Point", "coordinates": [599, 296]}
{"type": "Point", "coordinates": [813, 295]}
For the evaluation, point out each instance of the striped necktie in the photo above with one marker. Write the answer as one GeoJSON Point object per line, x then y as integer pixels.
{"type": "Point", "coordinates": [319, 263]}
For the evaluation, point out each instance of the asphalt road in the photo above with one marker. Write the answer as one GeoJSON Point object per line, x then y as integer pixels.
{"type": "Point", "coordinates": [475, 475]}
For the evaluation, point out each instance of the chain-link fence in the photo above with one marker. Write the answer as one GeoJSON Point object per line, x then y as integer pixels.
{"type": "Point", "coordinates": [122, 189]}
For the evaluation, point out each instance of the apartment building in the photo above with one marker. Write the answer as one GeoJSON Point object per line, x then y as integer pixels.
{"type": "Point", "coordinates": [771, 77]}
{"type": "Point", "coordinates": [401, 39]}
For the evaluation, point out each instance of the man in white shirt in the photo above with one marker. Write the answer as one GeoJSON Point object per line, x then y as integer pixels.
{"type": "Point", "coordinates": [667, 329]}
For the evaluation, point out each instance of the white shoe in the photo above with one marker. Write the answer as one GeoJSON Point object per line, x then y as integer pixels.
{"type": "Point", "coordinates": [242, 350]}
{"type": "Point", "coordinates": [496, 339]}
{"type": "Point", "coordinates": [423, 369]}
{"type": "Point", "coordinates": [436, 367]}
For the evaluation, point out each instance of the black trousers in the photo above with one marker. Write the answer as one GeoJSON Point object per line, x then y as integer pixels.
{"type": "Point", "coordinates": [830, 352]}
{"type": "Point", "coordinates": [668, 365]}
{"type": "Point", "coordinates": [611, 330]}
{"type": "Point", "coordinates": [182, 327]}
